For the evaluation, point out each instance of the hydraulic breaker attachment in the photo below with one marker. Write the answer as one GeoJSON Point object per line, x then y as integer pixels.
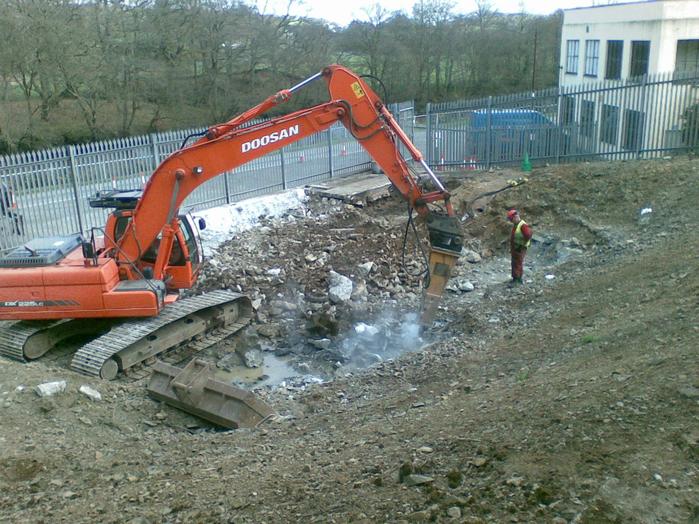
{"type": "Point", "coordinates": [446, 242]}
{"type": "Point", "coordinates": [195, 390]}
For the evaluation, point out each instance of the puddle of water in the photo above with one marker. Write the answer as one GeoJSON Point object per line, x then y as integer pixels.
{"type": "Point", "coordinates": [273, 371]}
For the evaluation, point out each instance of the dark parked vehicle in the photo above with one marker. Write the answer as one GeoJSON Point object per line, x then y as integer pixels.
{"type": "Point", "coordinates": [513, 132]}
{"type": "Point", "coordinates": [8, 209]}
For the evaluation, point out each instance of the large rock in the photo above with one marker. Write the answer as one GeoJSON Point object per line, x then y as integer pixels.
{"type": "Point", "coordinates": [360, 292]}
{"type": "Point", "coordinates": [460, 285]}
{"type": "Point", "coordinates": [339, 288]}
{"type": "Point", "coordinates": [253, 358]}
{"type": "Point", "coordinates": [365, 268]}
{"type": "Point", "coordinates": [269, 330]}
{"type": "Point", "coordinates": [471, 256]}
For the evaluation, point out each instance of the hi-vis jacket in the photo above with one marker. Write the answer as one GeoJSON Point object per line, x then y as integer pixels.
{"type": "Point", "coordinates": [521, 236]}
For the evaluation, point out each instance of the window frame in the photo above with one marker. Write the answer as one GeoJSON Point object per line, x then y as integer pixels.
{"type": "Point", "coordinates": [587, 118]}
{"type": "Point", "coordinates": [572, 56]}
{"type": "Point", "coordinates": [618, 64]}
{"type": "Point", "coordinates": [632, 130]}
{"type": "Point", "coordinates": [609, 134]}
{"type": "Point", "coordinates": [591, 58]}
{"type": "Point", "coordinates": [636, 59]}
{"type": "Point", "coordinates": [695, 58]}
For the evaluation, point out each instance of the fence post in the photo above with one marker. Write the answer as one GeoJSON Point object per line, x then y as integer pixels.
{"type": "Point", "coordinates": [641, 117]}
{"type": "Point", "coordinates": [283, 163]}
{"type": "Point", "coordinates": [411, 115]}
{"type": "Point", "coordinates": [560, 125]}
{"type": "Point", "coordinates": [226, 188]}
{"type": "Point", "coordinates": [429, 144]}
{"type": "Point", "coordinates": [330, 152]}
{"type": "Point", "coordinates": [74, 182]}
{"type": "Point", "coordinates": [154, 150]}
{"type": "Point", "coordinates": [488, 134]}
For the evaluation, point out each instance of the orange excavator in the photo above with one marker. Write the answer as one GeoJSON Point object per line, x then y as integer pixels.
{"type": "Point", "coordinates": [133, 270]}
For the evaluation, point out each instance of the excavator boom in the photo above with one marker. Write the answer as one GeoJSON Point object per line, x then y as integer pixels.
{"type": "Point", "coordinates": [227, 146]}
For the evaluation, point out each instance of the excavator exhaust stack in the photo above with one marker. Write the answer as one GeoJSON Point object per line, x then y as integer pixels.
{"type": "Point", "coordinates": [195, 390]}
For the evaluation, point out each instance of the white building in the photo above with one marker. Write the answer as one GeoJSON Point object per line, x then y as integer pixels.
{"type": "Point", "coordinates": [627, 40]}
{"type": "Point", "coordinates": [638, 55]}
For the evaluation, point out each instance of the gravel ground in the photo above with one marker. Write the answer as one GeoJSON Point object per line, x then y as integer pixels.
{"type": "Point", "coordinates": [573, 399]}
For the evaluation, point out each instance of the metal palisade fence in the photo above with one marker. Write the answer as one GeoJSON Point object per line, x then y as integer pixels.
{"type": "Point", "coordinates": [46, 193]}
{"type": "Point", "coordinates": [634, 118]}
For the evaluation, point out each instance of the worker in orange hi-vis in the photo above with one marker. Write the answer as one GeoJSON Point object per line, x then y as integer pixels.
{"type": "Point", "coordinates": [520, 238]}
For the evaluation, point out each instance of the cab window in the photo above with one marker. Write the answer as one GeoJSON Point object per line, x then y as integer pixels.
{"type": "Point", "coordinates": [191, 242]}
{"type": "Point", "coordinates": [177, 254]}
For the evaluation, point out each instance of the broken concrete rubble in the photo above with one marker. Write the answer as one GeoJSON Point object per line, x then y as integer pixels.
{"type": "Point", "coordinates": [49, 389]}
{"type": "Point", "coordinates": [457, 285]}
{"type": "Point", "coordinates": [90, 393]}
{"type": "Point", "coordinates": [339, 288]}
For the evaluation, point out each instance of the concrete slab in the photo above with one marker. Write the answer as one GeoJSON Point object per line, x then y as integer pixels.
{"type": "Point", "coordinates": [364, 187]}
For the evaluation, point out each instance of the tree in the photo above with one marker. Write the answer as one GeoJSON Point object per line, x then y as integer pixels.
{"type": "Point", "coordinates": [129, 66]}
{"type": "Point", "coordinates": [432, 19]}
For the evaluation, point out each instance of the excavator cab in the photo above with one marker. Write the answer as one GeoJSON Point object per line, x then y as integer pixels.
{"type": "Point", "coordinates": [186, 253]}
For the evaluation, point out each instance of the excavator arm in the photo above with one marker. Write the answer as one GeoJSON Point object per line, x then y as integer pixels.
{"type": "Point", "coordinates": [236, 142]}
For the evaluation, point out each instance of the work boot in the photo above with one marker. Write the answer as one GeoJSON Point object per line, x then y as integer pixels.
{"type": "Point", "coordinates": [517, 281]}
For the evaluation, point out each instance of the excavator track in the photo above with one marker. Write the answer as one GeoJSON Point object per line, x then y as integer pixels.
{"type": "Point", "coordinates": [13, 336]}
{"type": "Point", "coordinates": [179, 356]}
{"type": "Point", "coordinates": [204, 319]}
{"type": "Point", "coordinates": [25, 340]}
{"type": "Point", "coordinates": [196, 322]}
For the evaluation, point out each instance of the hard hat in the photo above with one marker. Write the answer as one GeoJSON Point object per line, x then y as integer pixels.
{"type": "Point", "coordinates": [511, 214]}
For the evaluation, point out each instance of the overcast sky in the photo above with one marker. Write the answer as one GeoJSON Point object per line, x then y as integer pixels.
{"type": "Point", "coordinates": [342, 12]}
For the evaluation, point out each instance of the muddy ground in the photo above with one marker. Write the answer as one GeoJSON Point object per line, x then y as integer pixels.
{"type": "Point", "coordinates": [573, 398]}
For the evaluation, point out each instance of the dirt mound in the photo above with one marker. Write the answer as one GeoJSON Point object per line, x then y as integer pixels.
{"type": "Point", "coordinates": [595, 203]}
{"type": "Point", "coordinates": [572, 399]}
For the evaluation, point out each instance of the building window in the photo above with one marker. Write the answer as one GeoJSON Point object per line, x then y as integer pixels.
{"type": "Point", "coordinates": [687, 58]}
{"type": "Point", "coordinates": [587, 118]}
{"type": "Point", "coordinates": [609, 126]}
{"type": "Point", "coordinates": [591, 57]}
{"type": "Point", "coordinates": [640, 52]}
{"type": "Point", "coordinates": [615, 53]}
{"type": "Point", "coordinates": [572, 56]}
{"type": "Point", "coordinates": [568, 110]}
{"type": "Point", "coordinates": [633, 129]}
